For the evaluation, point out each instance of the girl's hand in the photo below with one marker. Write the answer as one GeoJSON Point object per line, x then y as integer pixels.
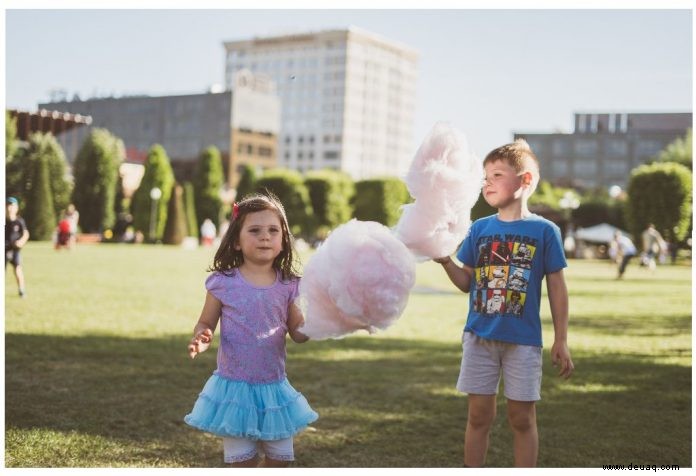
{"type": "Point", "coordinates": [200, 342]}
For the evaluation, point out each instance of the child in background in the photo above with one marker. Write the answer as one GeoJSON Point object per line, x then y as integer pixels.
{"type": "Point", "coordinates": [507, 336]}
{"type": "Point", "coordinates": [16, 236]}
{"type": "Point", "coordinates": [248, 399]}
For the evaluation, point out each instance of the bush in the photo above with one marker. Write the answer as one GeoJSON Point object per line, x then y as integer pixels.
{"type": "Point", "coordinates": [660, 193]}
{"type": "Point", "coordinates": [289, 187]}
{"type": "Point", "coordinates": [380, 200]}
{"type": "Point", "coordinates": [330, 193]}
{"type": "Point", "coordinates": [175, 230]}
{"type": "Point", "coordinates": [679, 151]}
{"type": "Point", "coordinates": [207, 183]}
{"type": "Point", "coordinates": [39, 213]}
{"type": "Point", "coordinates": [247, 181]}
{"type": "Point", "coordinates": [596, 210]}
{"type": "Point", "coordinates": [96, 180]}
{"type": "Point", "coordinates": [190, 207]}
{"type": "Point", "coordinates": [24, 173]}
{"type": "Point", "coordinates": [158, 173]}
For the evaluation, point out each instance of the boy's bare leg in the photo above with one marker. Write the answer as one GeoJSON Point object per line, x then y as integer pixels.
{"type": "Point", "coordinates": [480, 419]}
{"type": "Point", "coordinates": [522, 419]}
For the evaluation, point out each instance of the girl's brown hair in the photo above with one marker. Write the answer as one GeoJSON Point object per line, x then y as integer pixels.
{"type": "Point", "coordinates": [227, 258]}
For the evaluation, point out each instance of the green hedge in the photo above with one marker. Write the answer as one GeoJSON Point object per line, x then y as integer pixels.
{"type": "Point", "coordinates": [660, 193]}
{"type": "Point", "coordinates": [380, 200]}
{"type": "Point", "coordinates": [330, 193]}
{"type": "Point", "coordinates": [289, 187]}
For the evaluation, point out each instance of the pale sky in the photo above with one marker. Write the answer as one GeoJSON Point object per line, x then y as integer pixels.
{"type": "Point", "coordinates": [489, 72]}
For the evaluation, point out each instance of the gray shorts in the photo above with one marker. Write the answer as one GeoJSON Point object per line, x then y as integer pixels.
{"type": "Point", "coordinates": [483, 359]}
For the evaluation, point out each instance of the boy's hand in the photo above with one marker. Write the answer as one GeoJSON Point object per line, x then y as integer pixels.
{"type": "Point", "coordinates": [200, 342]}
{"type": "Point", "coordinates": [560, 355]}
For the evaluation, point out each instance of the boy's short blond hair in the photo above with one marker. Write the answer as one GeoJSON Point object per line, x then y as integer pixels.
{"type": "Point", "coordinates": [519, 156]}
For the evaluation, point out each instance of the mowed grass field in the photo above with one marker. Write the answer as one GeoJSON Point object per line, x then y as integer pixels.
{"type": "Point", "coordinates": [97, 375]}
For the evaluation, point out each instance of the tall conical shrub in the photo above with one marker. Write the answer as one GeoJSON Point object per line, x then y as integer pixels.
{"type": "Point", "coordinates": [175, 231]}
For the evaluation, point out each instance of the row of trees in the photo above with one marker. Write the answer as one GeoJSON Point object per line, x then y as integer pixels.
{"type": "Point", "coordinates": [317, 202]}
{"type": "Point", "coordinates": [37, 173]}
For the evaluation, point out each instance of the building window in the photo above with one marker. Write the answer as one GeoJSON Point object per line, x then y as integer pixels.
{"type": "Point", "coordinates": [616, 168]}
{"type": "Point", "coordinates": [648, 148]}
{"type": "Point", "coordinates": [265, 151]}
{"type": "Point", "coordinates": [559, 168]}
{"type": "Point", "coordinates": [585, 168]}
{"type": "Point", "coordinates": [559, 147]}
{"type": "Point", "coordinates": [288, 139]}
{"type": "Point", "coordinates": [331, 154]}
{"type": "Point", "coordinates": [585, 147]}
{"type": "Point", "coordinates": [617, 148]}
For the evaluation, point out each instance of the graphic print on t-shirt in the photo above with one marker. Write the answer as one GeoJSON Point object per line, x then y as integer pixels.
{"type": "Point", "coordinates": [502, 273]}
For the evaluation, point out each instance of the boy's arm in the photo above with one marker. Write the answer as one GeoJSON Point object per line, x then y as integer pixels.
{"type": "Point", "coordinates": [558, 299]}
{"type": "Point", "coordinates": [459, 275]}
{"type": "Point", "coordinates": [295, 321]}
{"type": "Point", "coordinates": [23, 239]}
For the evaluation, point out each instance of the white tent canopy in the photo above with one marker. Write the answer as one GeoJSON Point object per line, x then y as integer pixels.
{"type": "Point", "coordinates": [602, 233]}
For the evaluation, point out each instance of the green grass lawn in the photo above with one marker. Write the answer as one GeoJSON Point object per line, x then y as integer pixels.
{"type": "Point", "coordinates": [97, 374]}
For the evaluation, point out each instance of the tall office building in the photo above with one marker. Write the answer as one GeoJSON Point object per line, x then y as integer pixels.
{"type": "Point", "coordinates": [347, 98]}
{"type": "Point", "coordinates": [605, 147]}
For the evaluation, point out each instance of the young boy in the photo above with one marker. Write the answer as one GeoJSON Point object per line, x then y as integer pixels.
{"type": "Point", "coordinates": [503, 336]}
{"type": "Point", "coordinates": [16, 236]}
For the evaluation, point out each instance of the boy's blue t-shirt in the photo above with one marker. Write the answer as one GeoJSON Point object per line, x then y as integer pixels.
{"type": "Point", "coordinates": [510, 259]}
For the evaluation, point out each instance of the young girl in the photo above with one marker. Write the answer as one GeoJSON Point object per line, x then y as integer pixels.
{"type": "Point", "coordinates": [248, 399]}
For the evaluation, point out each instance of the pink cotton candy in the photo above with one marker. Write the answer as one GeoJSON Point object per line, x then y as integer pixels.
{"type": "Point", "coordinates": [359, 278]}
{"type": "Point", "coordinates": [445, 179]}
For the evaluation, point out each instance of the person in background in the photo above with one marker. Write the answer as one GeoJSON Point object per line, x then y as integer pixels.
{"type": "Point", "coordinates": [625, 251]}
{"type": "Point", "coordinates": [207, 232]}
{"type": "Point", "coordinates": [16, 236]}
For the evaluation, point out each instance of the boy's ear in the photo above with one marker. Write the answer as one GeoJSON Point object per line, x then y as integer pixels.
{"type": "Point", "coordinates": [527, 178]}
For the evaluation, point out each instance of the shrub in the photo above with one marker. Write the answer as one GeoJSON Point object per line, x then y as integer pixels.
{"type": "Point", "coordinates": [158, 173]}
{"type": "Point", "coordinates": [96, 180]}
{"type": "Point", "coordinates": [190, 207]}
{"type": "Point", "coordinates": [175, 230]}
{"type": "Point", "coordinates": [207, 182]}
{"type": "Point", "coordinates": [330, 193]}
{"type": "Point", "coordinates": [247, 181]}
{"type": "Point", "coordinates": [289, 187]}
{"type": "Point", "coordinates": [660, 193]}
{"type": "Point", "coordinates": [380, 200]}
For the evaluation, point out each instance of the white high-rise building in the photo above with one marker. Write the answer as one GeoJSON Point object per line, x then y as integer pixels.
{"type": "Point", "coordinates": [347, 98]}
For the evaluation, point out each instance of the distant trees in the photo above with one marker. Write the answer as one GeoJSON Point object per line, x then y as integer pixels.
{"type": "Point", "coordinates": [158, 174]}
{"type": "Point", "coordinates": [289, 187]}
{"type": "Point", "coordinates": [176, 230]}
{"type": "Point", "coordinates": [330, 193]}
{"type": "Point", "coordinates": [207, 183]}
{"type": "Point", "coordinates": [380, 200]}
{"type": "Point", "coordinates": [660, 193]}
{"type": "Point", "coordinates": [247, 181]}
{"type": "Point", "coordinates": [97, 179]}
{"type": "Point", "coordinates": [37, 175]}
{"type": "Point", "coordinates": [679, 151]}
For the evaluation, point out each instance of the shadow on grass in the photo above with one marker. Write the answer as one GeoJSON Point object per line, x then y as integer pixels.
{"type": "Point", "coordinates": [646, 325]}
{"type": "Point", "coordinates": [382, 403]}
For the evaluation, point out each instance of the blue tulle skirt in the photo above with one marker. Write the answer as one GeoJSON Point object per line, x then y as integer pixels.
{"type": "Point", "coordinates": [264, 411]}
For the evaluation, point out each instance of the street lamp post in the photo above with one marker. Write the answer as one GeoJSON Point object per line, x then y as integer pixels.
{"type": "Point", "coordinates": [569, 202]}
{"type": "Point", "coordinates": [155, 195]}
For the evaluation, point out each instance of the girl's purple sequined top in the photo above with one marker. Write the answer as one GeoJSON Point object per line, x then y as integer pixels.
{"type": "Point", "coordinates": [252, 327]}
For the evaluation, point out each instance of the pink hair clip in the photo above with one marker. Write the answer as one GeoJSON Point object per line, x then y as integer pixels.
{"type": "Point", "coordinates": [235, 210]}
